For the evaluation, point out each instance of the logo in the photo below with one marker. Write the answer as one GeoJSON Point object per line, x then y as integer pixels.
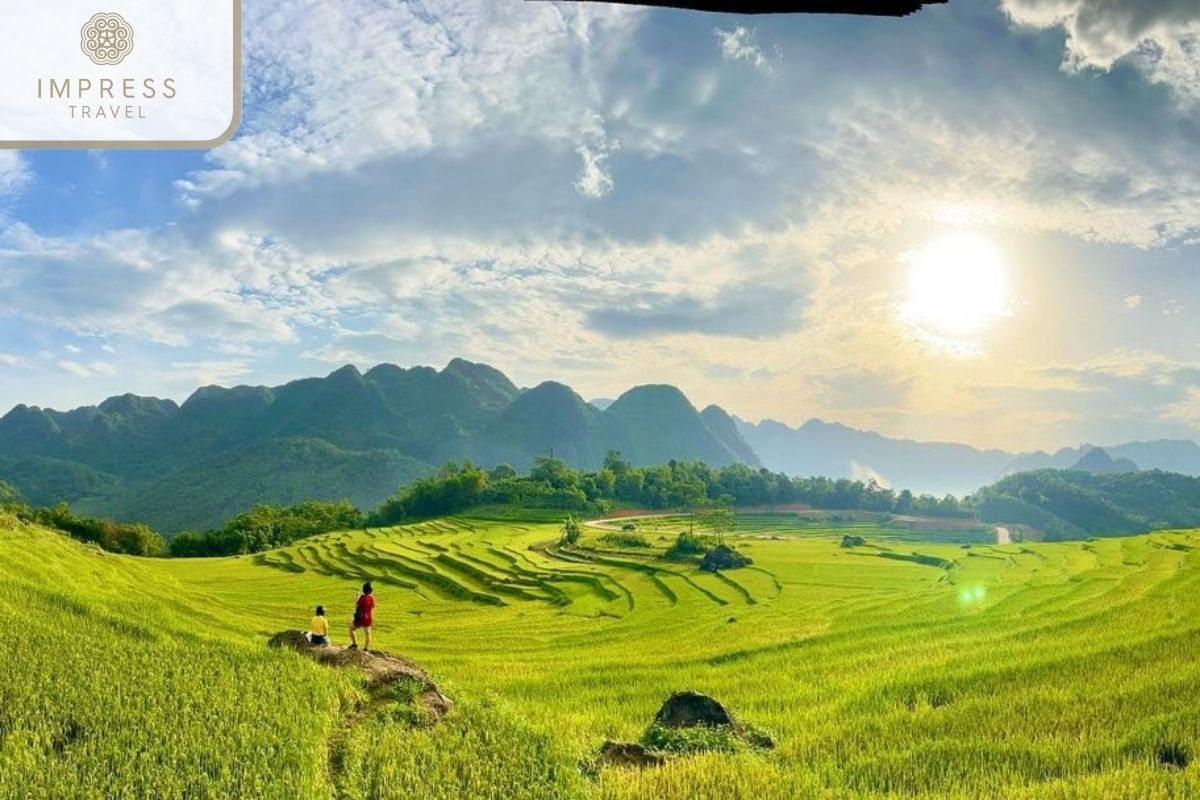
{"type": "Point", "coordinates": [83, 80]}
{"type": "Point", "coordinates": [106, 39]}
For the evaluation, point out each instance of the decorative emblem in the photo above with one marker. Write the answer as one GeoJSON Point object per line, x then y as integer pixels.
{"type": "Point", "coordinates": [106, 38]}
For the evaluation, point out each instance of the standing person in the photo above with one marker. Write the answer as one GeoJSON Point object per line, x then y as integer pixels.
{"type": "Point", "coordinates": [320, 627]}
{"type": "Point", "coordinates": [364, 607]}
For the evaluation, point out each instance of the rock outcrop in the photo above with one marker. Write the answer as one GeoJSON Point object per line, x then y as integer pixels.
{"type": "Point", "coordinates": [381, 668]}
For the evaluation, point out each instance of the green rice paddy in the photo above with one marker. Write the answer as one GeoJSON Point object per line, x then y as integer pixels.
{"type": "Point", "coordinates": [924, 663]}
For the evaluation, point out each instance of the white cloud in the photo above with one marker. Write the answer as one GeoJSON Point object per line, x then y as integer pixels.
{"type": "Point", "coordinates": [92, 370]}
{"type": "Point", "coordinates": [187, 375]}
{"type": "Point", "coordinates": [9, 360]}
{"type": "Point", "coordinates": [1018, 169]}
{"type": "Point", "coordinates": [1133, 301]}
{"type": "Point", "coordinates": [738, 45]}
{"type": "Point", "coordinates": [865, 473]}
{"type": "Point", "coordinates": [72, 349]}
{"type": "Point", "coordinates": [15, 174]}
{"type": "Point", "coordinates": [1126, 362]}
{"type": "Point", "coordinates": [1161, 36]}
{"type": "Point", "coordinates": [593, 180]}
{"type": "Point", "coordinates": [158, 286]}
{"type": "Point", "coordinates": [339, 85]}
{"type": "Point", "coordinates": [1186, 410]}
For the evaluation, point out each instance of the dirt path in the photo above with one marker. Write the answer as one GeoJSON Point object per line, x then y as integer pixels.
{"type": "Point", "coordinates": [607, 524]}
{"type": "Point", "coordinates": [1003, 536]}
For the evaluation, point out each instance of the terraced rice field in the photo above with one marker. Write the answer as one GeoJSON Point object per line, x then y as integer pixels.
{"type": "Point", "coordinates": [830, 524]}
{"type": "Point", "coordinates": [901, 668]}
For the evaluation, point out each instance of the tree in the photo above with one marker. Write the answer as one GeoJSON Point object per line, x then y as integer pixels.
{"type": "Point", "coordinates": [606, 482]}
{"type": "Point", "coordinates": [9, 495]}
{"type": "Point", "coordinates": [187, 544]}
{"type": "Point", "coordinates": [614, 463]}
{"type": "Point", "coordinates": [571, 531]}
{"type": "Point", "coordinates": [553, 471]}
{"type": "Point", "coordinates": [502, 473]}
{"type": "Point", "coordinates": [720, 521]}
{"type": "Point", "coordinates": [630, 484]}
{"type": "Point", "coordinates": [137, 540]}
{"type": "Point", "coordinates": [877, 498]}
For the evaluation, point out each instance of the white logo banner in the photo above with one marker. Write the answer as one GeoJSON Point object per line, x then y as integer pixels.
{"type": "Point", "coordinates": [102, 74]}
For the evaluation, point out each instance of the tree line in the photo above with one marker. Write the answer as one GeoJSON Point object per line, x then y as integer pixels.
{"type": "Point", "coordinates": [267, 527]}
{"type": "Point", "coordinates": [116, 537]}
{"type": "Point", "coordinates": [261, 528]}
{"type": "Point", "coordinates": [550, 484]}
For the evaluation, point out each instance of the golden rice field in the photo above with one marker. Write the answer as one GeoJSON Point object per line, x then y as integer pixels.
{"type": "Point", "coordinates": [914, 666]}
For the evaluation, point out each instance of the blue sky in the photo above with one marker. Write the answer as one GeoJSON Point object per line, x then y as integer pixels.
{"type": "Point", "coordinates": [608, 196]}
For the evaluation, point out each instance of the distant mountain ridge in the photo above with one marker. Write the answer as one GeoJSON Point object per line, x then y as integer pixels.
{"type": "Point", "coordinates": [832, 449]}
{"type": "Point", "coordinates": [1169, 455]}
{"type": "Point", "coordinates": [1098, 462]}
{"type": "Point", "coordinates": [350, 434]}
{"type": "Point", "coordinates": [1063, 505]}
{"type": "Point", "coordinates": [360, 435]}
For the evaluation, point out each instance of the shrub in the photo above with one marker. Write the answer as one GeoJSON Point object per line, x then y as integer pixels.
{"type": "Point", "coordinates": [706, 739]}
{"type": "Point", "coordinates": [624, 539]}
{"type": "Point", "coordinates": [694, 739]}
{"type": "Point", "coordinates": [688, 546]}
{"type": "Point", "coordinates": [570, 531]}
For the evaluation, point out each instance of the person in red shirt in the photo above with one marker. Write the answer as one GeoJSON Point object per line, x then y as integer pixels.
{"type": "Point", "coordinates": [364, 608]}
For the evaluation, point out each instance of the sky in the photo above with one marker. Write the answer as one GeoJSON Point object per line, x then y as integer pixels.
{"type": "Point", "coordinates": [978, 223]}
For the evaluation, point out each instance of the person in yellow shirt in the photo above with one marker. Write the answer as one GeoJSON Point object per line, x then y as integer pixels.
{"type": "Point", "coordinates": [320, 628]}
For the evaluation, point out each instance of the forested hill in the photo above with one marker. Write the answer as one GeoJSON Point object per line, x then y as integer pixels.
{"type": "Point", "coordinates": [359, 436]}
{"type": "Point", "coordinates": [1074, 504]}
{"type": "Point", "coordinates": [348, 435]}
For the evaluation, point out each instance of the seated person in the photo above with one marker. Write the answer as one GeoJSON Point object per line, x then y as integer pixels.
{"type": "Point", "coordinates": [320, 628]}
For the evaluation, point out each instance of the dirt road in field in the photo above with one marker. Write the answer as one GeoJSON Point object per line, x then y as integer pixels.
{"type": "Point", "coordinates": [607, 524]}
{"type": "Point", "coordinates": [1003, 536]}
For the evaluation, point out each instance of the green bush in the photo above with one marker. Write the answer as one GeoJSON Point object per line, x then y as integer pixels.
{"type": "Point", "coordinates": [571, 531]}
{"type": "Point", "coordinates": [705, 739]}
{"type": "Point", "coordinates": [624, 539]}
{"type": "Point", "coordinates": [689, 545]}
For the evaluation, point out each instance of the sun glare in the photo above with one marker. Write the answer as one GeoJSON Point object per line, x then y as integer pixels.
{"type": "Point", "coordinates": [957, 285]}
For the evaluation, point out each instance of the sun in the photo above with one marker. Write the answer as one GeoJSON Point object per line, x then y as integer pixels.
{"type": "Point", "coordinates": [957, 286]}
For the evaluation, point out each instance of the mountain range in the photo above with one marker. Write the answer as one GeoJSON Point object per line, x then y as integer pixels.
{"type": "Point", "coordinates": [349, 434]}
{"type": "Point", "coordinates": [830, 448]}
{"type": "Point", "coordinates": [361, 435]}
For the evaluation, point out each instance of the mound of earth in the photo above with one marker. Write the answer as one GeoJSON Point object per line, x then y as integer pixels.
{"type": "Point", "coordinates": [382, 668]}
{"type": "Point", "coordinates": [682, 710]}
{"type": "Point", "coordinates": [630, 754]}
{"type": "Point", "coordinates": [723, 557]}
{"type": "Point", "coordinates": [686, 709]}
